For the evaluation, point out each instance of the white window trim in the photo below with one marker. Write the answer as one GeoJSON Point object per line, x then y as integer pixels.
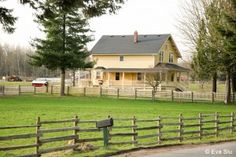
{"type": "Point", "coordinates": [171, 53]}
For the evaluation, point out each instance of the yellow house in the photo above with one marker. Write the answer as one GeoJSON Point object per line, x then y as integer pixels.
{"type": "Point", "coordinates": [126, 60]}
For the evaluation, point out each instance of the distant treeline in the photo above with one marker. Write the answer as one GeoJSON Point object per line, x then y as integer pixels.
{"type": "Point", "coordinates": [14, 60]}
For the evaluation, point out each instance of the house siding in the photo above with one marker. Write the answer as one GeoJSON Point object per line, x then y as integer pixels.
{"type": "Point", "coordinates": [130, 61]}
{"type": "Point", "coordinates": [167, 48]}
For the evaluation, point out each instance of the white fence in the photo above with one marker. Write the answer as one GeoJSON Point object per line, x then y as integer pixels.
{"type": "Point", "coordinates": [119, 93]}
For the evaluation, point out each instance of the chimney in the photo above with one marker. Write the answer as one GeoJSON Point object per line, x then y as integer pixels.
{"type": "Point", "coordinates": [136, 37]}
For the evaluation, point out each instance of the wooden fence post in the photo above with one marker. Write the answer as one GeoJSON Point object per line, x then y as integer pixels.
{"type": "Point", "coordinates": [135, 93]}
{"type": "Point", "coordinates": [3, 90]}
{"type": "Point", "coordinates": [84, 91]}
{"type": "Point", "coordinates": [118, 93]}
{"type": "Point", "coordinates": [47, 88]}
{"type": "Point", "coordinates": [68, 90]}
{"type": "Point", "coordinates": [109, 130]}
{"type": "Point", "coordinates": [76, 131]}
{"type": "Point", "coordinates": [213, 97]}
{"type": "Point", "coordinates": [19, 90]}
{"type": "Point", "coordinates": [38, 125]}
{"type": "Point", "coordinates": [216, 124]}
{"type": "Point", "coordinates": [192, 96]}
{"type": "Point", "coordinates": [200, 126]}
{"type": "Point", "coordinates": [180, 127]}
{"type": "Point", "coordinates": [134, 126]}
{"type": "Point", "coordinates": [172, 95]}
{"type": "Point", "coordinates": [232, 122]}
{"type": "Point", "coordinates": [51, 89]}
{"type": "Point", "coordinates": [34, 90]}
{"type": "Point", "coordinates": [159, 129]}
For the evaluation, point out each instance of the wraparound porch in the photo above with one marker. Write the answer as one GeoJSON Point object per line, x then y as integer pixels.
{"type": "Point", "coordinates": [138, 80]}
{"type": "Point", "coordinates": [169, 75]}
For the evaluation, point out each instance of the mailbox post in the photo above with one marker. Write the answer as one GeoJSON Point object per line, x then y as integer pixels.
{"type": "Point", "coordinates": [104, 124]}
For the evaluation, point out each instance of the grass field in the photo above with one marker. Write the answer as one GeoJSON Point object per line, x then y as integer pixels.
{"type": "Point", "coordinates": [24, 110]}
{"type": "Point", "coordinates": [5, 83]}
{"type": "Point", "coordinates": [207, 87]}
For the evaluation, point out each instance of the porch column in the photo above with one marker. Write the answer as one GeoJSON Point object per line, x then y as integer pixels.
{"type": "Point", "coordinates": [166, 77]}
{"type": "Point", "coordinates": [188, 80]}
{"type": "Point", "coordinates": [102, 75]}
{"type": "Point", "coordinates": [179, 76]}
{"type": "Point", "coordinates": [160, 85]}
{"type": "Point", "coordinates": [175, 76]}
{"type": "Point", "coordinates": [144, 81]}
{"type": "Point", "coordinates": [160, 77]}
{"type": "Point", "coordinates": [108, 79]}
{"type": "Point", "coordinates": [123, 79]}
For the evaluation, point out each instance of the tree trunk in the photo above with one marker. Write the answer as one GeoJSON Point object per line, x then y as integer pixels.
{"type": "Point", "coordinates": [228, 88]}
{"type": "Point", "coordinates": [234, 82]}
{"type": "Point", "coordinates": [63, 74]}
{"type": "Point", "coordinates": [63, 71]}
{"type": "Point", "coordinates": [73, 73]}
{"type": "Point", "coordinates": [214, 83]}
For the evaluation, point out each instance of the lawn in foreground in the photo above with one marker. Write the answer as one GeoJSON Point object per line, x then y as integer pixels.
{"type": "Point", "coordinates": [24, 109]}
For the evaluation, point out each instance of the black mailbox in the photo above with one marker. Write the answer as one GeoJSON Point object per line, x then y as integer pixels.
{"type": "Point", "coordinates": [104, 123]}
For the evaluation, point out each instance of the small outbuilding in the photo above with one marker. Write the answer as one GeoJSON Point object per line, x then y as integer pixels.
{"type": "Point", "coordinates": [36, 83]}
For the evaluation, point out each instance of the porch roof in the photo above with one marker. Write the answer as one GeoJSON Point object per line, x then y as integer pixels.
{"type": "Point", "coordinates": [171, 67]}
{"type": "Point", "coordinates": [160, 67]}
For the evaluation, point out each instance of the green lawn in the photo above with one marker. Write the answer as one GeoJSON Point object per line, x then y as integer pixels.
{"type": "Point", "coordinates": [24, 110]}
{"type": "Point", "coordinates": [207, 87]}
{"type": "Point", "coordinates": [6, 83]}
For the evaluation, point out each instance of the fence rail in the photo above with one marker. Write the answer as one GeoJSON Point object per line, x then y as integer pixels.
{"type": "Point", "coordinates": [126, 131]}
{"type": "Point", "coordinates": [120, 93]}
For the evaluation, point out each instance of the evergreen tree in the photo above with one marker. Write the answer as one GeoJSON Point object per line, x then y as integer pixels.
{"type": "Point", "coordinates": [227, 28]}
{"type": "Point", "coordinates": [89, 8]}
{"type": "Point", "coordinates": [201, 57]}
{"type": "Point", "coordinates": [65, 44]}
{"type": "Point", "coordinates": [198, 27]}
{"type": "Point", "coordinates": [7, 19]}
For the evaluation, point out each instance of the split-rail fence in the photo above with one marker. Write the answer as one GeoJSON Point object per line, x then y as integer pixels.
{"type": "Point", "coordinates": [133, 132]}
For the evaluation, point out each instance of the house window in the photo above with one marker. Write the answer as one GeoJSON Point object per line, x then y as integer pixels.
{"type": "Point", "coordinates": [121, 58]}
{"type": "Point", "coordinates": [161, 56]}
{"type": "Point", "coordinates": [139, 76]}
{"type": "Point", "coordinates": [117, 76]}
{"type": "Point", "coordinates": [98, 75]}
{"type": "Point", "coordinates": [171, 58]}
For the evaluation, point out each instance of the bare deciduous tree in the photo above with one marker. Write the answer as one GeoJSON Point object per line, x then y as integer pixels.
{"type": "Point", "coordinates": [154, 80]}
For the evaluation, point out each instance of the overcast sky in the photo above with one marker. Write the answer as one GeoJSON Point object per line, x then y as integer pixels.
{"type": "Point", "coordinates": [145, 16]}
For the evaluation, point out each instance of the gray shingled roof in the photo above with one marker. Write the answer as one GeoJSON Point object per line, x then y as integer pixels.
{"type": "Point", "coordinates": [171, 66]}
{"type": "Point", "coordinates": [117, 44]}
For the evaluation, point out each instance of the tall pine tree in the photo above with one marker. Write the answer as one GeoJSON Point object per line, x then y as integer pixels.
{"type": "Point", "coordinates": [227, 29]}
{"type": "Point", "coordinates": [65, 44]}
{"type": "Point", "coordinates": [58, 50]}
{"type": "Point", "coordinates": [7, 20]}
